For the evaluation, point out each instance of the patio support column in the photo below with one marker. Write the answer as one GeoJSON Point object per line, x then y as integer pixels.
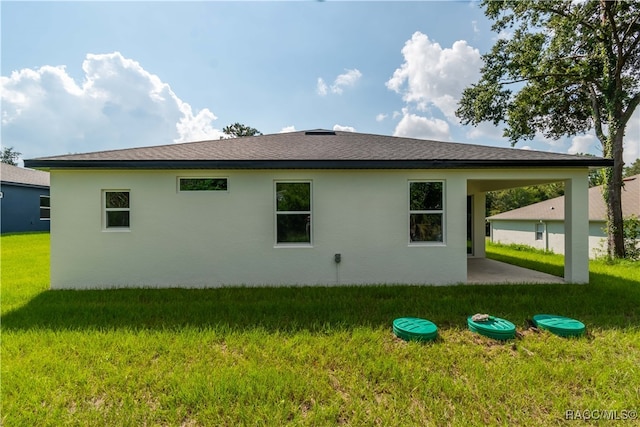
{"type": "Point", "coordinates": [576, 230]}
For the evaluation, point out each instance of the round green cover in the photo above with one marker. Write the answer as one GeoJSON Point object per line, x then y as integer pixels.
{"type": "Point", "coordinates": [495, 327]}
{"type": "Point", "coordinates": [414, 329]}
{"type": "Point", "coordinates": [559, 325]}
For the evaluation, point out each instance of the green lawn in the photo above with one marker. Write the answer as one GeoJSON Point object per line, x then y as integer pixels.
{"type": "Point", "coordinates": [312, 355]}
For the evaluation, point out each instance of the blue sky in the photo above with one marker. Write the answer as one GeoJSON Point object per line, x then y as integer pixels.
{"type": "Point", "coordinates": [89, 76]}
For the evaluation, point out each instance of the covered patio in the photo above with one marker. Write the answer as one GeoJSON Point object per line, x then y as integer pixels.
{"type": "Point", "coordinates": [488, 271]}
{"type": "Point", "coordinates": [576, 265]}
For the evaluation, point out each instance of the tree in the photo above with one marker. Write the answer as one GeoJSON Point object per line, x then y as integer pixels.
{"type": "Point", "coordinates": [596, 177]}
{"type": "Point", "coordinates": [634, 169]}
{"type": "Point", "coordinates": [569, 67]}
{"type": "Point", "coordinates": [10, 156]}
{"type": "Point", "coordinates": [506, 200]}
{"type": "Point", "coordinates": [238, 130]}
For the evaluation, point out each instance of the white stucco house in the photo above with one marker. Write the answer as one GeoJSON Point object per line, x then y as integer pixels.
{"type": "Point", "coordinates": [541, 225]}
{"type": "Point", "coordinates": [302, 208]}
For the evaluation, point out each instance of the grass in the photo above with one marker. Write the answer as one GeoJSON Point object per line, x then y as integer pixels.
{"type": "Point", "coordinates": [310, 356]}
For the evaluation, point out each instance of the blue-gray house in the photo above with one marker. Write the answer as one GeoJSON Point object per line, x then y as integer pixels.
{"type": "Point", "coordinates": [24, 199]}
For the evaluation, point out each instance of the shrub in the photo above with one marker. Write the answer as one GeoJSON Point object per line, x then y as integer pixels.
{"type": "Point", "coordinates": [632, 238]}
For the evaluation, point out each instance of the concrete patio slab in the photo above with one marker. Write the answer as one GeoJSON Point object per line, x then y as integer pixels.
{"type": "Point", "coordinates": [488, 271]}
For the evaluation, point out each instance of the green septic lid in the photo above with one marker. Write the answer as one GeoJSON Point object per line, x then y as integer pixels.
{"type": "Point", "coordinates": [559, 325]}
{"type": "Point", "coordinates": [494, 327]}
{"type": "Point", "coordinates": [414, 329]}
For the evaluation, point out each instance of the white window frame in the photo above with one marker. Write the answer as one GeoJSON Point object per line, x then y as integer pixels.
{"type": "Point", "coordinates": [105, 209]}
{"type": "Point", "coordinates": [540, 232]}
{"type": "Point", "coordinates": [308, 244]}
{"type": "Point", "coordinates": [48, 208]}
{"type": "Point", "coordinates": [201, 191]}
{"type": "Point", "coordinates": [431, 211]}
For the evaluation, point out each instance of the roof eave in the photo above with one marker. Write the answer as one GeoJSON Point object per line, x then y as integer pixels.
{"type": "Point", "coordinates": [310, 164]}
{"type": "Point", "coordinates": [25, 184]}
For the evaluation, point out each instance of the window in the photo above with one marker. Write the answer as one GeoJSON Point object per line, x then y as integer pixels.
{"type": "Point", "coordinates": [202, 184]}
{"type": "Point", "coordinates": [539, 230]}
{"type": "Point", "coordinates": [426, 211]}
{"type": "Point", "coordinates": [293, 213]}
{"type": "Point", "coordinates": [45, 208]}
{"type": "Point", "coordinates": [117, 210]}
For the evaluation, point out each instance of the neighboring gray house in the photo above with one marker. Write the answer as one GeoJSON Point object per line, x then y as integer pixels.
{"type": "Point", "coordinates": [24, 199]}
{"type": "Point", "coordinates": [541, 225]}
{"type": "Point", "coordinates": [315, 207]}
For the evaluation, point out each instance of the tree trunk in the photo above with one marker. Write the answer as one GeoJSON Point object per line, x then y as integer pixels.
{"type": "Point", "coordinates": [613, 197]}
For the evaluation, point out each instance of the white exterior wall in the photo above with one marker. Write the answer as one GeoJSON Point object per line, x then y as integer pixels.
{"type": "Point", "coordinates": [200, 239]}
{"type": "Point", "coordinates": [515, 232]}
{"type": "Point", "coordinates": [597, 239]}
{"type": "Point", "coordinates": [523, 232]}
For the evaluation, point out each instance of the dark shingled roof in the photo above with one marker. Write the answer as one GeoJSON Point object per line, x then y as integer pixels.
{"type": "Point", "coordinates": [315, 149]}
{"type": "Point", "coordinates": [10, 174]}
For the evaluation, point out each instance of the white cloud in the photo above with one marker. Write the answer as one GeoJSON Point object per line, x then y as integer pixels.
{"type": "Point", "coordinates": [350, 78]}
{"type": "Point", "coordinates": [503, 35]}
{"type": "Point", "coordinates": [485, 130]}
{"type": "Point", "coordinates": [287, 129]}
{"type": "Point", "coordinates": [198, 127]}
{"type": "Point", "coordinates": [631, 146]}
{"type": "Point", "coordinates": [632, 139]}
{"type": "Point", "coordinates": [380, 117]}
{"type": "Point", "coordinates": [631, 152]}
{"type": "Point", "coordinates": [431, 75]}
{"type": "Point", "coordinates": [474, 25]}
{"type": "Point", "coordinates": [555, 144]}
{"type": "Point", "coordinates": [582, 144]}
{"type": "Point", "coordinates": [344, 128]}
{"type": "Point", "coordinates": [414, 126]}
{"type": "Point", "coordinates": [342, 81]}
{"type": "Point", "coordinates": [321, 87]}
{"type": "Point", "coordinates": [118, 104]}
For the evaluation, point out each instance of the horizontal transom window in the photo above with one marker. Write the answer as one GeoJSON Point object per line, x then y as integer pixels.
{"type": "Point", "coordinates": [202, 184]}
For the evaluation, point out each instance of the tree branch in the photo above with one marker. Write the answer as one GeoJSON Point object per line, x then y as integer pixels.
{"type": "Point", "coordinates": [542, 76]}
{"type": "Point", "coordinates": [633, 103]}
{"type": "Point", "coordinates": [626, 56]}
{"type": "Point", "coordinates": [620, 42]}
{"type": "Point", "coordinates": [569, 15]}
{"type": "Point", "coordinates": [630, 27]}
{"type": "Point", "coordinates": [608, 9]}
{"type": "Point", "coordinates": [597, 118]}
